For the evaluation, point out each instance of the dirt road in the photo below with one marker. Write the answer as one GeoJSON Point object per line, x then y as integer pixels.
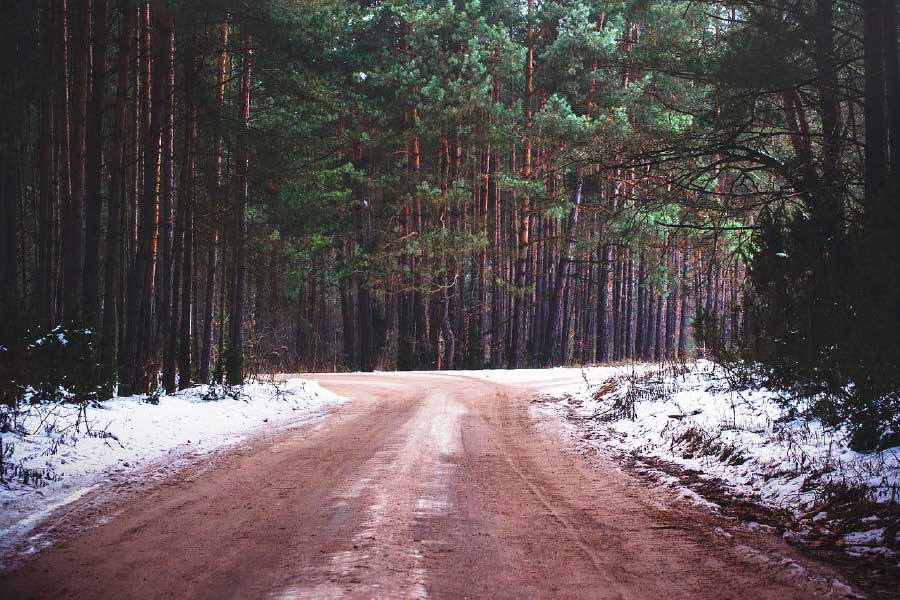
{"type": "Point", "coordinates": [428, 485]}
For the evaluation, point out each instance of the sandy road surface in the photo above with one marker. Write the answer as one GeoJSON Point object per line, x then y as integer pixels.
{"type": "Point", "coordinates": [427, 485]}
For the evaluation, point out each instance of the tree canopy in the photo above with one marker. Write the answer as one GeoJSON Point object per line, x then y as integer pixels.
{"type": "Point", "coordinates": [213, 188]}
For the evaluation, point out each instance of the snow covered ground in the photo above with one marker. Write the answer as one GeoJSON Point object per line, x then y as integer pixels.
{"type": "Point", "coordinates": [742, 436]}
{"type": "Point", "coordinates": [72, 451]}
{"type": "Point", "coordinates": [691, 417]}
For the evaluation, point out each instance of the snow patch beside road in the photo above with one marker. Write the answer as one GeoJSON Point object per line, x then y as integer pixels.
{"type": "Point", "coordinates": [744, 437]}
{"type": "Point", "coordinates": [74, 449]}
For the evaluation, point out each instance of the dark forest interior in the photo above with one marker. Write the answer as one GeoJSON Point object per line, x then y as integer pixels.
{"type": "Point", "coordinates": [201, 191]}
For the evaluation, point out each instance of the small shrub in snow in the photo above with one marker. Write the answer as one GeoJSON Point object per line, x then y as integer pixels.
{"type": "Point", "coordinates": [223, 391]}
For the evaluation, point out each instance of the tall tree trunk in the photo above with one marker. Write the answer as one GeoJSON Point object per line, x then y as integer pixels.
{"type": "Point", "coordinates": [629, 307]}
{"type": "Point", "coordinates": [683, 329]}
{"type": "Point", "coordinates": [892, 80]}
{"type": "Point", "coordinates": [348, 337]}
{"type": "Point", "coordinates": [94, 163]}
{"type": "Point", "coordinates": [875, 126]}
{"type": "Point", "coordinates": [47, 201]}
{"type": "Point", "coordinates": [8, 253]}
{"type": "Point", "coordinates": [177, 348]}
{"type": "Point", "coordinates": [186, 203]}
{"type": "Point", "coordinates": [113, 265]}
{"type": "Point", "coordinates": [212, 259]}
{"type": "Point", "coordinates": [483, 318]}
{"type": "Point", "coordinates": [166, 322]}
{"type": "Point", "coordinates": [640, 339]}
{"type": "Point", "coordinates": [497, 316]}
{"type": "Point", "coordinates": [604, 331]}
{"type": "Point", "coordinates": [554, 324]}
{"type": "Point", "coordinates": [419, 298]}
{"type": "Point", "coordinates": [73, 256]}
{"type": "Point", "coordinates": [135, 378]}
{"type": "Point", "coordinates": [64, 143]}
{"type": "Point", "coordinates": [170, 350]}
{"type": "Point", "coordinates": [672, 290]}
{"type": "Point", "coordinates": [235, 368]}
{"type": "Point", "coordinates": [617, 321]}
{"type": "Point", "coordinates": [649, 331]}
{"type": "Point", "coordinates": [446, 283]}
{"type": "Point", "coordinates": [831, 216]}
{"type": "Point", "coordinates": [540, 266]}
{"type": "Point", "coordinates": [518, 344]}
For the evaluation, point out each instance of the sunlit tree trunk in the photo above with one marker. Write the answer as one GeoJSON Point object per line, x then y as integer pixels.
{"type": "Point", "coordinates": [135, 376]}
{"type": "Point", "coordinates": [518, 344]}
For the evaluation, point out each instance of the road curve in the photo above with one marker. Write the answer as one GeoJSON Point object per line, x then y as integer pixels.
{"type": "Point", "coordinates": [427, 485]}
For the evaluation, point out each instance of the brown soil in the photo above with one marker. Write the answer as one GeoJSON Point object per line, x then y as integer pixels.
{"type": "Point", "coordinates": [427, 485]}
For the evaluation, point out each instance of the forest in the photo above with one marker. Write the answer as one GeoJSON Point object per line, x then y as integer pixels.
{"type": "Point", "coordinates": [202, 191]}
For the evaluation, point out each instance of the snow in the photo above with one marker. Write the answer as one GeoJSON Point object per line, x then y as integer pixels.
{"type": "Point", "coordinates": [557, 381]}
{"type": "Point", "coordinates": [123, 435]}
{"type": "Point", "coordinates": [870, 537]}
{"type": "Point", "coordinates": [740, 436]}
{"type": "Point", "coordinates": [744, 437]}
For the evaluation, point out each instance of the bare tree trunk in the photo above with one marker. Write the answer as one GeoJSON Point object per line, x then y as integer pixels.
{"type": "Point", "coordinates": [8, 252]}
{"type": "Point", "coordinates": [419, 299]}
{"type": "Point", "coordinates": [603, 303]}
{"type": "Point", "coordinates": [554, 325]}
{"type": "Point", "coordinates": [649, 331]}
{"type": "Point", "coordinates": [73, 239]}
{"type": "Point", "coordinates": [617, 320]}
{"type": "Point", "coordinates": [875, 123]}
{"type": "Point", "coordinates": [629, 307]}
{"type": "Point", "coordinates": [135, 379]}
{"type": "Point", "coordinates": [170, 350]}
{"type": "Point", "coordinates": [892, 80]}
{"type": "Point", "coordinates": [683, 329]}
{"type": "Point", "coordinates": [482, 318]}
{"type": "Point", "coordinates": [179, 327]}
{"type": "Point", "coordinates": [518, 344]}
{"type": "Point", "coordinates": [540, 261]}
{"type": "Point", "coordinates": [640, 339]}
{"type": "Point", "coordinates": [165, 323]}
{"type": "Point", "coordinates": [94, 146]}
{"type": "Point", "coordinates": [659, 345]}
{"type": "Point", "coordinates": [112, 273]}
{"type": "Point", "coordinates": [672, 290]}
{"type": "Point", "coordinates": [497, 315]}
{"type": "Point", "coordinates": [185, 374]}
{"type": "Point", "coordinates": [348, 338]}
{"type": "Point", "coordinates": [446, 328]}
{"type": "Point", "coordinates": [48, 198]}
{"type": "Point", "coordinates": [235, 368]}
{"type": "Point", "coordinates": [212, 260]}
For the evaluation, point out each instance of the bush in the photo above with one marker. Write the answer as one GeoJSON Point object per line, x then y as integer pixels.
{"type": "Point", "coordinates": [52, 366]}
{"type": "Point", "coordinates": [825, 323]}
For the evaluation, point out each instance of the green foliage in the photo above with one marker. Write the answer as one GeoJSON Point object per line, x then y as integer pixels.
{"type": "Point", "coordinates": [821, 330]}
{"type": "Point", "coordinates": [50, 366]}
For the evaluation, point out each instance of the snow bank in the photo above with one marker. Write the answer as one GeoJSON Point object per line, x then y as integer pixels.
{"type": "Point", "coordinates": [557, 381]}
{"type": "Point", "coordinates": [744, 437]}
{"type": "Point", "coordinates": [72, 451]}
